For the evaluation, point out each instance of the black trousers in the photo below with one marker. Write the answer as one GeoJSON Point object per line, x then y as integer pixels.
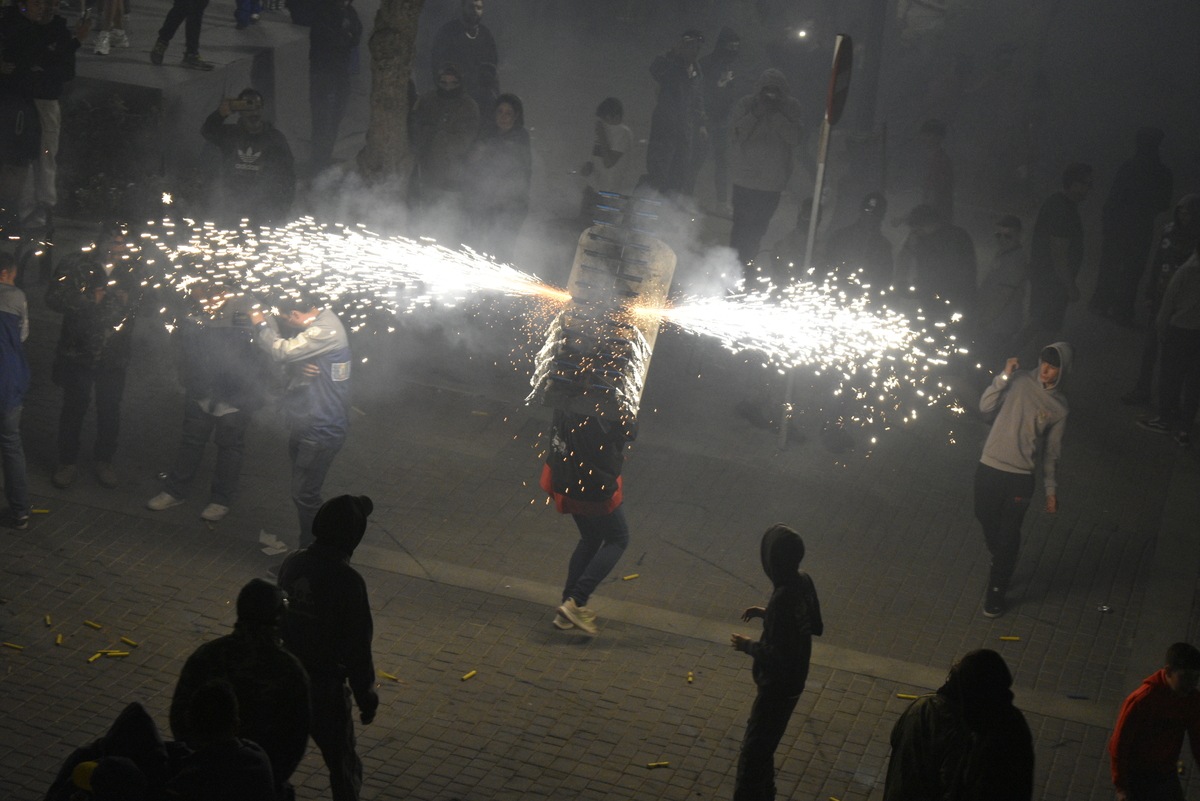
{"type": "Point", "coordinates": [333, 733]}
{"type": "Point", "coordinates": [1179, 377]}
{"type": "Point", "coordinates": [768, 721]}
{"type": "Point", "coordinates": [1001, 501]}
{"type": "Point", "coordinates": [185, 11]}
{"type": "Point", "coordinates": [77, 385]}
{"type": "Point", "coordinates": [328, 91]}
{"type": "Point", "coordinates": [752, 213]}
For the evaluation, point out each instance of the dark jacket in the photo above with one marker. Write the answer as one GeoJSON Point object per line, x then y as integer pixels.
{"type": "Point", "coordinates": [14, 328]}
{"type": "Point", "coordinates": [271, 688]}
{"type": "Point", "coordinates": [43, 55]}
{"type": "Point", "coordinates": [721, 86]}
{"type": "Point", "coordinates": [793, 616]}
{"type": "Point", "coordinates": [234, 771]}
{"type": "Point", "coordinates": [679, 111]}
{"type": "Point", "coordinates": [1175, 246]}
{"type": "Point", "coordinates": [1058, 218]}
{"type": "Point", "coordinates": [257, 172]}
{"type": "Point", "coordinates": [945, 265]}
{"type": "Point", "coordinates": [133, 736]}
{"type": "Point", "coordinates": [221, 361]}
{"type": "Point", "coordinates": [95, 334]}
{"type": "Point", "coordinates": [318, 407]}
{"type": "Point", "coordinates": [328, 625]}
{"type": "Point", "coordinates": [475, 57]}
{"type": "Point", "coordinates": [1140, 191]}
{"type": "Point", "coordinates": [861, 245]}
{"type": "Point", "coordinates": [584, 461]}
{"type": "Point", "coordinates": [335, 32]}
{"type": "Point", "coordinates": [443, 130]}
{"type": "Point", "coordinates": [500, 174]}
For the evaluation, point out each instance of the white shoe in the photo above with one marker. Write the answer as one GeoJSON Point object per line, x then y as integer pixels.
{"type": "Point", "coordinates": [579, 615]}
{"type": "Point", "coordinates": [163, 500]}
{"type": "Point", "coordinates": [214, 512]}
{"type": "Point", "coordinates": [102, 42]}
{"type": "Point", "coordinates": [561, 621]}
{"type": "Point", "coordinates": [118, 38]}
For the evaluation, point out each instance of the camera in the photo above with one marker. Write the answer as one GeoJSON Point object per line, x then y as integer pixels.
{"type": "Point", "coordinates": [243, 105]}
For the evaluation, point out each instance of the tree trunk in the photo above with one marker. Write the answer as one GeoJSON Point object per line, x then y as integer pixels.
{"type": "Point", "coordinates": [393, 47]}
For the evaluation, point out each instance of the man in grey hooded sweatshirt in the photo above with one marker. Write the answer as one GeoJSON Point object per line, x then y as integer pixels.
{"type": "Point", "coordinates": [1031, 412]}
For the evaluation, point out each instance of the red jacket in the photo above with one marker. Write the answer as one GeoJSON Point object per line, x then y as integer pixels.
{"type": "Point", "coordinates": [1149, 733]}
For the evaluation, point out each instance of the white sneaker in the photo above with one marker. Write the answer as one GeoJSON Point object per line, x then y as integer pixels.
{"type": "Point", "coordinates": [118, 38]}
{"type": "Point", "coordinates": [102, 41]}
{"type": "Point", "coordinates": [579, 615]}
{"type": "Point", "coordinates": [561, 621]}
{"type": "Point", "coordinates": [214, 512]}
{"type": "Point", "coordinates": [163, 500]}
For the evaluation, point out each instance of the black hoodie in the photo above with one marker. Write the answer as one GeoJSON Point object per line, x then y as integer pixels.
{"type": "Point", "coordinates": [793, 616]}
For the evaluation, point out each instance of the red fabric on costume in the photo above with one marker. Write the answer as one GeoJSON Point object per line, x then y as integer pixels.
{"type": "Point", "coordinates": [1149, 734]}
{"type": "Point", "coordinates": [566, 505]}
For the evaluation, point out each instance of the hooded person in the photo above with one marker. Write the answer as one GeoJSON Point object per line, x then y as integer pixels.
{"type": "Point", "coordinates": [1030, 412]}
{"type": "Point", "coordinates": [129, 762]}
{"type": "Point", "coordinates": [328, 626]}
{"type": "Point", "coordinates": [966, 741]}
{"type": "Point", "coordinates": [270, 683]}
{"type": "Point", "coordinates": [497, 198]}
{"type": "Point", "coordinates": [861, 246]}
{"type": "Point", "coordinates": [721, 90]}
{"type": "Point", "coordinates": [445, 123]}
{"type": "Point", "coordinates": [679, 119]}
{"type": "Point", "coordinates": [766, 129]}
{"type": "Point", "coordinates": [781, 656]}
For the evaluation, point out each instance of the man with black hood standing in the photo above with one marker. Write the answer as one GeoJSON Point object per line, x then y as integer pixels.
{"type": "Point", "coordinates": [468, 44]}
{"type": "Point", "coordinates": [790, 621]}
{"type": "Point", "coordinates": [1030, 415]}
{"type": "Point", "coordinates": [328, 626]}
{"type": "Point", "coordinates": [257, 172]}
{"type": "Point", "coordinates": [862, 247]}
{"type": "Point", "coordinates": [334, 35]}
{"type": "Point", "coordinates": [270, 683]}
{"type": "Point", "coordinates": [444, 125]}
{"type": "Point", "coordinates": [721, 91]}
{"type": "Point", "coordinates": [1140, 192]}
{"type": "Point", "coordinates": [678, 118]}
{"type": "Point", "coordinates": [1056, 254]}
{"type": "Point", "coordinates": [966, 741]}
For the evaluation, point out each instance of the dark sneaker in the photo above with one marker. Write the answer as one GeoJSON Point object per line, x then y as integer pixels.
{"type": "Point", "coordinates": [993, 605]}
{"type": "Point", "coordinates": [13, 521]}
{"type": "Point", "coordinates": [1138, 397]}
{"type": "Point", "coordinates": [1183, 438]}
{"type": "Point", "coordinates": [1155, 424]}
{"type": "Point", "coordinates": [156, 55]}
{"type": "Point", "coordinates": [193, 62]}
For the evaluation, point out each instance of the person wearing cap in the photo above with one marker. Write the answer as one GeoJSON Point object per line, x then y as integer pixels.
{"type": "Point", "coordinates": [1002, 293]}
{"type": "Point", "coordinates": [270, 683]}
{"type": "Point", "coordinates": [1030, 413]}
{"type": "Point", "coordinates": [328, 626]}
{"type": "Point", "coordinates": [678, 118]}
{"type": "Point", "coordinates": [967, 740]}
{"type": "Point", "coordinates": [861, 247]}
{"type": "Point", "coordinates": [97, 290]}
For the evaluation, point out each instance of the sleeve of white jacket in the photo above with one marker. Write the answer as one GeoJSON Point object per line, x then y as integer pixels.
{"type": "Point", "coordinates": [308, 344]}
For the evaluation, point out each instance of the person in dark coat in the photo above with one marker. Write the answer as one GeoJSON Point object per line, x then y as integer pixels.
{"type": "Point", "coordinates": [1140, 192]}
{"type": "Point", "coordinates": [861, 246]}
{"type": "Point", "coordinates": [270, 683]}
{"type": "Point", "coordinates": [941, 258]}
{"type": "Point", "coordinates": [444, 126]}
{"type": "Point", "coordinates": [583, 475]}
{"type": "Point", "coordinates": [328, 627]}
{"type": "Point", "coordinates": [678, 118]}
{"type": "Point", "coordinates": [966, 742]}
{"type": "Point", "coordinates": [497, 198]}
{"type": "Point", "coordinates": [1056, 255]}
{"type": "Point", "coordinates": [14, 382]}
{"type": "Point", "coordinates": [721, 90]}
{"type": "Point", "coordinates": [257, 174]}
{"type": "Point", "coordinates": [332, 39]}
{"type": "Point", "coordinates": [130, 760]}
{"type": "Point", "coordinates": [97, 291]}
{"type": "Point", "coordinates": [468, 44]}
{"type": "Point", "coordinates": [781, 657]}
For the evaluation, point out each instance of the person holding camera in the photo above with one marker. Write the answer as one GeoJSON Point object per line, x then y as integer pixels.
{"type": "Point", "coordinates": [257, 174]}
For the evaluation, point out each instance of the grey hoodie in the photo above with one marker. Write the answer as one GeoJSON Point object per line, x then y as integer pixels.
{"type": "Point", "coordinates": [765, 137]}
{"type": "Point", "coordinates": [1031, 420]}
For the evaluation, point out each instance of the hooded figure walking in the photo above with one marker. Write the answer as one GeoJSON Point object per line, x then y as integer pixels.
{"type": "Point", "coordinates": [790, 621]}
{"type": "Point", "coordinates": [329, 628]}
{"type": "Point", "coordinates": [1031, 413]}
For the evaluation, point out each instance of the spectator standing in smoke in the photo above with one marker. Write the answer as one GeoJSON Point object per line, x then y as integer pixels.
{"type": "Point", "coordinates": [223, 378]}
{"type": "Point", "coordinates": [861, 245]}
{"type": "Point", "coordinates": [608, 168]}
{"type": "Point", "coordinates": [941, 259]}
{"type": "Point", "coordinates": [1176, 245]}
{"type": "Point", "coordinates": [1148, 739]}
{"type": "Point", "coordinates": [1002, 293]}
{"type": "Point", "coordinates": [332, 41]}
{"type": "Point", "coordinates": [583, 475]}
{"type": "Point", "coordinates": [21, 76]}
{"type": "Point", "coordinates": [966, 741]}
{"type": "Point", "coordinates": [678, 119]}
{"type": "Point", "coordinates": [14, 381]}
{"type": "Point", "coordinates": [1178, 326]}
{"type": "Point", "coordinates": [468, 44]}
{"type": "Point", "coordinates": [97, 291]}
{"type": "Point", "coordinates": [1030, 415]}
{"type": "Point", "coordinates": [497, 200]}
{"type": "Point", "coordinates": [781, 656]}
{"type": "Point", "coordinates": [937, 187]}
{"type": "Point", "coordinates": [190, 14]}
{"type": "Point", "coordinates": [721, 91]}
{"type": "Point", "coordinates": [328, 627]}
{"type": "Point", "coordinates": [270, 684]}
{"type": "Point", "coordinates": [1056, 254]}
{"type": "Point", "coordinates": [445, 122]}
{"type": "Point", "coordinates": [766, 129]}
{"type": "Point", "coordinates": [257, 173]}
{"type": "Point", "coordinates": [317, 400]}
{"type": "Point", "coordinates": [1140, 191]}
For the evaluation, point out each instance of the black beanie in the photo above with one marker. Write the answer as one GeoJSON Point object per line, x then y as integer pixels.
{"type": "Point", "coordinates": [342, 521]}
{"type": "Point", "coordinates": [260, 602]}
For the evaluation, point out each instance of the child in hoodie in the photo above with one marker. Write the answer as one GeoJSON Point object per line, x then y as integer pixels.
{"type": "Point", "coordinates": [791, 619]}
{"type": "Point", "coordinates": [1031, 412]}
{"type": "Point", "coordinates": [1148, 739]}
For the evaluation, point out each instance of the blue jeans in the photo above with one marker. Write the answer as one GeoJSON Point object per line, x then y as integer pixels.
{"type": "Point", "coordinates": [602, 540]}
{"type": "Point", "coordinates": [230, 439]}
{"type": "Point", "coordinates": [311, 460]}
{"type": "Point", "coordinates": [16, 490]}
